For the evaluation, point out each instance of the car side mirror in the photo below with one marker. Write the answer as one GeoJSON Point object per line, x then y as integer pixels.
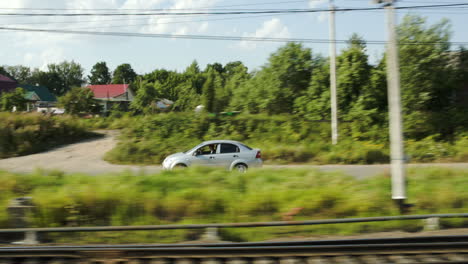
{"type": "Point", "coordinates": [195, 153]}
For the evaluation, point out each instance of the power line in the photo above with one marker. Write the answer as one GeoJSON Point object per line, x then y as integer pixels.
{"type": "Point", "coordinates": [276, 11]}
{"type": "Point", "coordinates": [211, 37]}
{"type": "Point", "coordinates": [141, 24]}
{"type": "Point", "coordinates": [145, 9]}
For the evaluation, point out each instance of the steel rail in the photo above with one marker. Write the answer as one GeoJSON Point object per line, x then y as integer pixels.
{"type": "Point", "coordinates": [271, 249]}
{"type": "Point", "coordinates": [393, 240]}
{"type": "Point", "coordinates": [234, 225]}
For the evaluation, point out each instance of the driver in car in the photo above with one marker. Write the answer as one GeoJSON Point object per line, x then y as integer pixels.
{"type": "Point", "coordinates": [212, 149]}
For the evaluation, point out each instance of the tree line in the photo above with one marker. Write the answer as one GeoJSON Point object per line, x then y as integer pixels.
{"type": "Point", "coordinates": [295, 80]}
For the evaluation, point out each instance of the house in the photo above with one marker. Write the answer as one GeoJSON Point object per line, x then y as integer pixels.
{"type": "Point", "coordinates": [112, 94]}
{"type": "Point", "coordinates": [7, 84]}
{"type": "Point", "coordinates": [39, 97]}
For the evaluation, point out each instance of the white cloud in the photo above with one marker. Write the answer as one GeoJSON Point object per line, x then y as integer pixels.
{"type": "Point", "coordinates": [181, 24]}
{"type": "Point", "coordinates": [203, 27]}
{"type": "Point", "coordinates": [316, 3]}
{"type": "Point", "coordinates": [272, 28]}
{"type": "Point", "coordinates": [322, 16]}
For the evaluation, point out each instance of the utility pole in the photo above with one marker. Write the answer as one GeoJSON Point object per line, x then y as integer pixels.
{"type": "Point", "coordinates": [394, 109]}
{"type": "Point", "coordinates": [334, 107]}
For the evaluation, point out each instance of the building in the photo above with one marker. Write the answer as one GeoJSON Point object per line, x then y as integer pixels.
{"type": "Point", "coordinates": [7, 84]}
{"type": "Point", "coordinates": [39, 98]}
{"type": "Point", "coordinates": [112, 94]}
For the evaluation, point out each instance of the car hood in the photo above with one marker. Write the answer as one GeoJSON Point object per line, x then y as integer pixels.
{"type": "Point", "coordinates": [176, 155]}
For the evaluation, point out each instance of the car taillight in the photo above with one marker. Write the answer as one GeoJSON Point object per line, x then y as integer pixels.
{"type": "Point", "coordinates": [259, 155]}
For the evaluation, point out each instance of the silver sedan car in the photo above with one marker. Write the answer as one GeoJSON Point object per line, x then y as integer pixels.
{"type": "Point", "coordinates": [229, 154]}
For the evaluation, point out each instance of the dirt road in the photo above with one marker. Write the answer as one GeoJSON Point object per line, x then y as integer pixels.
{"type": "Point", "coordinates": [86, 157]}
{"type": "Point", "coordinates": [83, 157]}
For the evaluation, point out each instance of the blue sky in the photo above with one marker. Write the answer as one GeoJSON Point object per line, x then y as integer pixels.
{"type": "Point", "coordinates": [146, 54]}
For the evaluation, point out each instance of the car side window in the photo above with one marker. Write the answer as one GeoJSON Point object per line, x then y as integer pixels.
{"type": "Point", "coordinates": [207, 149]}
{"type": "Point", "coordinates": [229, 148]}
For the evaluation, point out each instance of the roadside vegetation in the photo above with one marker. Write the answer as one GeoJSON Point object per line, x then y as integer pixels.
{"type": "Point", "coordinates": [22, 134]}
{"type": "Point", "coordinates": [285, 104]}
{"type": "Point", "coordinates": [202, 195]}
{"type": "Point", "coordinates": [282, 139]}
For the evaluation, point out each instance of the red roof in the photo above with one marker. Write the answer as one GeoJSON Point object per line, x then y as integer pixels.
{"type": "Point", "coordinates": [108, 90]}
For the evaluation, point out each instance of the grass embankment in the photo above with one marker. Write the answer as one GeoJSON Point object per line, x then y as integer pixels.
{"type": "Point", "coordinates": [22, 134]}
{"type": "Point", "coordinates": [282, 139]}
{"type": "Point", "coordinates": [201, 195]}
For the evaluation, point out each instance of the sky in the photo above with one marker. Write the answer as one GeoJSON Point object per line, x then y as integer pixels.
{"type": "Point", "coordinates": [37, 49]}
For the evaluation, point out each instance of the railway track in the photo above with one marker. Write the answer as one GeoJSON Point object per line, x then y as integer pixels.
{"type": "Point", "coordinates": [436, 249]}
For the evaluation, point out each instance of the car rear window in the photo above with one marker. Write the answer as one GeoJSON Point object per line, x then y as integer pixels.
{"type": "Point", "coordinates": [229, 148]}
{"type": "Point", "coordinates": [245, 146]}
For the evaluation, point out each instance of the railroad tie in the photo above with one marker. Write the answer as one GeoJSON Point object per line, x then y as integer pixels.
{"type": "Point", "coordinates": [317, 260]}
{"type": "Point", "coordinates": [291, 260]}
{"type": "Point", "coordinates": [158, 261]}
{"type": "Point", "coordinates": [237, 261]}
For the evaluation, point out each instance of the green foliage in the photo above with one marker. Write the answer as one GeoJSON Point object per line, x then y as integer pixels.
{"type": "Point", "coordinates": [202, 195]}
{"type": "Point", "coordinates": [209, 91]}
{"type": "Point", "coordinates": [427, 81]}
{"type": "Point", "coordinates": [10, 100]}
{"type": "Point", "coordinates": [282, 139]}
{"type": "Point", "coordinates": [79, 101]}
{"type": "Point", "coordinates": [19, 73]}
{"type": "Point", "coordinates": [60, 78]}
{"type": "Point", "coordinates": [274, 89]}
{"type": "Point", "coordinates": [22, 134]}
{"type": "Point", "coordinates": [146, 97]}
{"type": "Point", "coordinates": [124, 74]}
{"type": "Point", "coordinates": [100, 74]}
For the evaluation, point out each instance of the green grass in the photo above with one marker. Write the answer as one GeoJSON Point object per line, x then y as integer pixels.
{"type": "Point", "coordinates": [203, 195]}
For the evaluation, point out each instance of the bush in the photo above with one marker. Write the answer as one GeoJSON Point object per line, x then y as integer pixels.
{"type": "Point", "coordinates": [282, 139]}
{"type": "Point", "coordinates": [22, 134]}
{"type": "Point", "coordinates": [204, 195]}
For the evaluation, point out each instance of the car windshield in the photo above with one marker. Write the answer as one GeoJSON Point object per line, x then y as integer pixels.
{"type": "Point", "coordinates": [197, 146]}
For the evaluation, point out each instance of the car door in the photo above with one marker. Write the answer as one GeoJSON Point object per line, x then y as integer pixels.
{"type": "Point", "coordinates": [227, 154]}
{"type": "Point", "coordinates": [205, 155]}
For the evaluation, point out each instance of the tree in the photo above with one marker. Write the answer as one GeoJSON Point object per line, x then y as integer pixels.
{"type": "Point", "coordinates": [12, 99]}
{"type": "Point", "coordinates": [315, 103]}
{"type": "Point", "coordinates": [147, 95]}
{"type": "Point", "coordinates": [79, 100]}
{"type": "Point", "coordinates": [427, 85]}
{"type": "Point", "coordinates": [100, 74]}
{"type": "Point", "coordinates": [59, 78]}
{"type": "Point", "coordinates": [353, 73]}
{"type": "Point", "coordinates": [209, 91]}
{"type": "Point", "coordinates": [236, 75]}
{"type": "Point", "coordinates": [51, 80]}
{"type": "Point", "coordinates": [284, 78]}
{"type": "Point", "coordinates": [123, 74]}
{"type": "Point", "coordinates": [19, 73]}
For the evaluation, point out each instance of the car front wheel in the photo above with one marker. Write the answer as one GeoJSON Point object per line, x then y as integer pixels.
{"type": "Point", "coordinates": [240, 167]}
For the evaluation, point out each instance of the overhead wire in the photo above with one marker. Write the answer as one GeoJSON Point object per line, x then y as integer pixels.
{"type": "Point", "coordinates": [211, 37]}
{"type": "Point", "coordinates": [236, 38]}
{"type": "Point", "coordinates": [272, 11]}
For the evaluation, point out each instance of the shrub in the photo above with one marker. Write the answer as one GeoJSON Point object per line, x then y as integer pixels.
{"type": "Point", "coordinates": [22, 134]}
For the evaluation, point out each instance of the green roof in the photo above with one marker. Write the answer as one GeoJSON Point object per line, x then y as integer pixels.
{"type": "Point", "coordinates": [41, 91]}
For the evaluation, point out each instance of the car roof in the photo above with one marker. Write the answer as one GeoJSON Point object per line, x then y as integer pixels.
{"type": "Point", "coordinates": [220, 141]}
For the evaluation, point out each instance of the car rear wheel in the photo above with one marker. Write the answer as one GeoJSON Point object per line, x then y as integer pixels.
{"type": "Point", "coordinates": [241, 167]}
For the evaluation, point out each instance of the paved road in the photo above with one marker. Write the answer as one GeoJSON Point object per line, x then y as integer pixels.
{"type": "Point", "coordinates": [86, 157]}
